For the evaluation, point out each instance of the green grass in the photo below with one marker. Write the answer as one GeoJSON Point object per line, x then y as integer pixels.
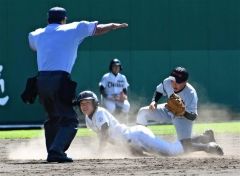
{"type": "Point", "coordinates": [84, 132]}
{"type": "Point", "coordinates": [18, 134]}
{"type": "Point", "coordinates": [225, 127]}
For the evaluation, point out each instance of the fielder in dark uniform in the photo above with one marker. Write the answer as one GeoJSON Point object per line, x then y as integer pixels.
{"type": "Point", "coordinates": [56, 46]}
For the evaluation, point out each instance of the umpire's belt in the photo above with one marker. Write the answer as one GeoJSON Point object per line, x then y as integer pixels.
{"type": "Point", "coordinates": [52, 73]}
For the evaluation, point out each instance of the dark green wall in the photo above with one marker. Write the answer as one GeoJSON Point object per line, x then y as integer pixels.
{"type": "Point", "coordinates": [202, 35]}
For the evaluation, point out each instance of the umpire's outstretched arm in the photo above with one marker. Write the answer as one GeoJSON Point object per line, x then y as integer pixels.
{"type": "Point", "coordinates": [104, 28]}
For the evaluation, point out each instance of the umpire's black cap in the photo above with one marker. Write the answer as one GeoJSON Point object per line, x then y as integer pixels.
{"type": "Point", "coordinates": [57, 13]}
{"type": "Point", "coordinates": [180, 74]}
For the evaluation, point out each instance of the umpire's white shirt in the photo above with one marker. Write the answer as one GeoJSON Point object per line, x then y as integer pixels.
{"type": "Point", "coordinates": [57, 44]}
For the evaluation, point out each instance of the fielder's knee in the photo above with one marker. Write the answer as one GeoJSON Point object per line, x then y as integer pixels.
{"type": "Point", "coordinates": [141, 117]}
{"type": "Point", "coordinates": [126, 108]}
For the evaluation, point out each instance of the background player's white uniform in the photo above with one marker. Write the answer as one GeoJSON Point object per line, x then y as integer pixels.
{"type": "Point", "coordinates": [113, 86]}
{"type": "Point", "coordinates": [162, 115]}
{"type": "Point", "coordinates": [138, 137]}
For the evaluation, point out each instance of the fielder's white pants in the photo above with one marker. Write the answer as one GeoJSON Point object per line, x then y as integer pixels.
{"type": "Point", "coordinates": [182, 125]}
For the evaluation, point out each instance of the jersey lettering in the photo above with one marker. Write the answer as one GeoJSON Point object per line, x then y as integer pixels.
{"type": "Point", "coordinates": [118, 84]}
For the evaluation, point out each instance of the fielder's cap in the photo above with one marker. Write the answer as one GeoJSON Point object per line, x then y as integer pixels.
{"type": "Point", "coordinates": [180, 74]}
{"type": "Point", "coordinates": [57, 13]}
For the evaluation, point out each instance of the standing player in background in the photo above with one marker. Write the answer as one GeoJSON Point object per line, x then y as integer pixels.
{"type": "Point", "coordinates": [56, 46]}
{"type": "Point", "coordinates": [176, 85]}
{"type": "Point", "coordinates": [5, 99]}
{"type": "Point", "coordinates": [113, 89]}
{"type": "Point", "coordinates": [137, 138]}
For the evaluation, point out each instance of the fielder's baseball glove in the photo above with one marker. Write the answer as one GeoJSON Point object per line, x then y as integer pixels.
{"type": "Point", "coordinates": [176, 105]}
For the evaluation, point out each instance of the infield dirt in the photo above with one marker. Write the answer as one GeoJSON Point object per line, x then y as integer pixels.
{"type": "Point", "coordinates": [27, 157]}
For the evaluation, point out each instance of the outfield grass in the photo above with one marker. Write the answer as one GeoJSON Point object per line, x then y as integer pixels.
{"type": "Point", "coordinates": [226, 127]}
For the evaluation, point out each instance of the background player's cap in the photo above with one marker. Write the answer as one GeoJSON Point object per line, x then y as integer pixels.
{"type": "Point", "coordinates": [57, 13]}
{"type": "Point", "coordinates": [180, 74]}
{"type": "Point", "coordinates": [115, 61]}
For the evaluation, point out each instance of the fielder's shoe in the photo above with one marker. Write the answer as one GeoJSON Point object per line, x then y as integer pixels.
{"type": "Point", "coordinates": [214, 148]}
{"type": "Point", "coordinates": [210, 135]}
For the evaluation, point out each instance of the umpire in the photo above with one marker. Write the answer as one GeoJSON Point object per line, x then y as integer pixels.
{"type": "Point", "coordinates": [56, 46]}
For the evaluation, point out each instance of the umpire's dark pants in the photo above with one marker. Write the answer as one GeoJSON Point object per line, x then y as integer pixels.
{"type": "Point", "coordinates": [56, 91]}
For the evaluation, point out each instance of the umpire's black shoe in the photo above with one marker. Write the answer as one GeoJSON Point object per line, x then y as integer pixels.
{"type": "Point", "coordinates": [59, 159]}
{"type": "Point", "coordinates": [210, 135]}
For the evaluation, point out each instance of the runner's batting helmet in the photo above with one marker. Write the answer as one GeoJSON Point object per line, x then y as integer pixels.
{"type": "Point", "coordinates": [86, 95]}
{"type": "Point", "coordinates": [115, 62]}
